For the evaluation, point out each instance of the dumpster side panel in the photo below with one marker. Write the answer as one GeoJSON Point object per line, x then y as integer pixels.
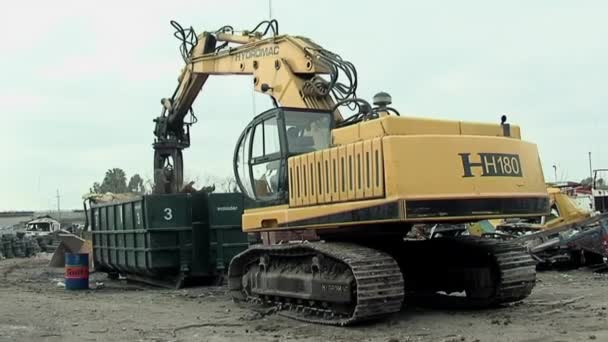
{"type": "Point", "coordinates": [169, 231]}
{"type": "Point", "coordinates": [98, 249]}
{"type": "Point", "coordinates": [129, 237]}
{"type": "Point", "coordinates": [112, 236]}
{"type": "Point", "coordinates": [148, 236]}
{"type": "Point", "coordinates": [227, 238]}
{"type": "Point", "coordinates": [139, 237]}
{"type": "Point", "coordinates": [103, 220]}
{"type": "Point", "coordinates": [201, 262]}
{"type": "Point", "coordinates": [120, 237]}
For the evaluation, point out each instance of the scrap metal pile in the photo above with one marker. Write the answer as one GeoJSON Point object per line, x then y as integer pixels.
{"type": "Point", "coordinates": [569, 237]}
{"type": "Point", "coordinates": [583, 243]}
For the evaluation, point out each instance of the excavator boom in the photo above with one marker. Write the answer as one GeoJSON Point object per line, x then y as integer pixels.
{"type": "Point", "coordinates": [287, 68]}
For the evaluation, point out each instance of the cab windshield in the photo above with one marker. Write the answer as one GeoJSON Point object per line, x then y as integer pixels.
{"type": "Point", "coordinates": [307, 132]}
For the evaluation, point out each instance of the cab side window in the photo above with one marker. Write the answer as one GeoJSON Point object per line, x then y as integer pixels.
{"type": "Point", "coordinates": [266, 158]}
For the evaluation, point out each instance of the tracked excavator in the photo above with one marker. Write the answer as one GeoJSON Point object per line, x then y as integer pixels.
{"type": "Point", "coordinates": [349, 188]}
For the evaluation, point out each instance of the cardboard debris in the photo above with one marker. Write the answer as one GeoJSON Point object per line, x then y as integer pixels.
{"type": "Point", "coordinates": [71, 243]}
{"type": "Point", "coordinates": [110, 197]}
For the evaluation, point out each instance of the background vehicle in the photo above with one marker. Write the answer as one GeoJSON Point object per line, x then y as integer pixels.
{"type": "Point", "coordinates": [600, 194]}
{"type": "Point", "coordinates": [42, 226]}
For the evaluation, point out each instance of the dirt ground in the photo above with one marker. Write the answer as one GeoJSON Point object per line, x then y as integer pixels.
{"type": "Point", "coordinates": [565, 306]}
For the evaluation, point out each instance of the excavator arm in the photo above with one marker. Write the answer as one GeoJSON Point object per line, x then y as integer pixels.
{"type": "Point", "coordinates": [287, 68]}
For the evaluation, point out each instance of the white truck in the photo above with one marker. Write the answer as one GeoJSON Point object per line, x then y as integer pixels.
{"type": "Point", "coordinates": [42, 226]}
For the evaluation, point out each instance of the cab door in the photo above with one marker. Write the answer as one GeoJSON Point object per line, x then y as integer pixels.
{"type": "Point", "coordinates": [260, 159]}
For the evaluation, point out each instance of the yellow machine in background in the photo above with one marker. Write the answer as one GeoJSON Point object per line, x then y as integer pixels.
{"type": "Point", "coordinates": [564, 211]}
{"type": "Point", "coordinates": [356, 184]}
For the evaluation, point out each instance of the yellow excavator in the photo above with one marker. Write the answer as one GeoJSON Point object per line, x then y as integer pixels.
{"type": "Point", "coordinates": [564, 212]}
{"type": "Point", "coordinates": [341, 191]}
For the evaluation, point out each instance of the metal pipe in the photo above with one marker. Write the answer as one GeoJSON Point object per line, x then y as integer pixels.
{"type": "Point", "coordinates": [590, 168]}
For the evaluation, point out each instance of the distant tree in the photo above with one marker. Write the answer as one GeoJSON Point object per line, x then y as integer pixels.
{"type": "Point", "coordinates": [114, 181]}
{"type": "Point", "coordinates": [136, 184]}
{"type": "Point", "coordinates": [599, 183]}
{"type": "Point", "coordinates": [96, 189]}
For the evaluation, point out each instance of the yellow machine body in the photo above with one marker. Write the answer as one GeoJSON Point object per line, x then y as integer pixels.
{"type": "Point", "coordinates": [411, 170]}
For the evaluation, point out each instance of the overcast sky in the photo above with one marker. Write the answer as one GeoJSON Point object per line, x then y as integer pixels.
{"type": "Point", "coordinates": [81, 80]}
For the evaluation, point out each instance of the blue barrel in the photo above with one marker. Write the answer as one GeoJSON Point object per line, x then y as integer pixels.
{"type": "Point", "coordinates": [76, 271]}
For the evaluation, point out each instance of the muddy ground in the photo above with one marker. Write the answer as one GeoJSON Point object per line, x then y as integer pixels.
{"type": "Point", "coordinates": [565, 306]}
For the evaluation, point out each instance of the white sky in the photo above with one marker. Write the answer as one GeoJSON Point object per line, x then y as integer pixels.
{"type": "Point", "coordinates": [80, 81]}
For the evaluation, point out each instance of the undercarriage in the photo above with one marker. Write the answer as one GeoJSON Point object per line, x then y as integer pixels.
{"type": "Point", "coordinates": [344, 281]}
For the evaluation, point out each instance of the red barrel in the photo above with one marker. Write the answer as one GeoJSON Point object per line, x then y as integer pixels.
{"type": "Point", "coordinates": [76, 271]}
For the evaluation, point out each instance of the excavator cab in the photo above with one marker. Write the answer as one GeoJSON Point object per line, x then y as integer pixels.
{"type": "Point", "coordinates": [260, 157]}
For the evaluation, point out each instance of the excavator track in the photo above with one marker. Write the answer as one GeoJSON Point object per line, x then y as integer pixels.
{"type": "Point", "coordinates": [489, 272]}
{"type": "Point", "coordinates": [517, 271]}
{"type": "Point", "coordinates": [318, 282]}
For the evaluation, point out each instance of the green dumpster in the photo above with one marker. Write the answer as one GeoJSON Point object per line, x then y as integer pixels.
{"type": "Point", "coordinates": [168, 239]}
